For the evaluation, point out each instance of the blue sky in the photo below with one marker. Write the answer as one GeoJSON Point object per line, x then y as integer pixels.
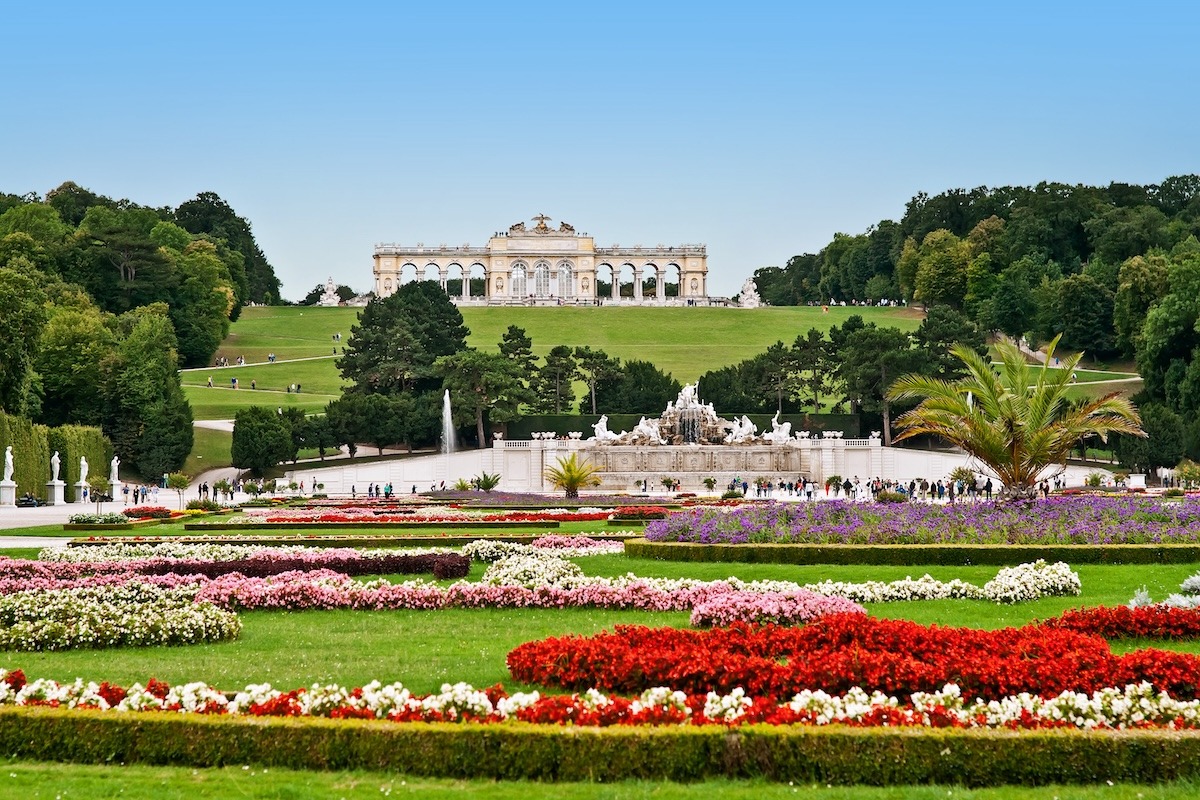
{"type": "Point", "coordinates": [758, 128]}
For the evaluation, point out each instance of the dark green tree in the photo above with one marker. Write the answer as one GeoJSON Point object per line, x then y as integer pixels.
{"type": "Point", "coordinates": [208, 213]}
{"type": "Point", "coordinates": [22, 319]}
{"type": "Point", "coordinates": [554, 388]}
{"type": "Point", "coordinates": [262, 438]}
{"type": "Point", "coordinates": [482, 385]}
{"type": "Point", "coordinates": [942, 328]}
{"type": "Point", "coordinates": [638, 388]}
{"type": "Point", "coordinates": [815, 368]}
{"type": "Point", "coordinates": [870, 359]}
{"type": "Point", "coordinates": [594, 366]}
{"type": "Point", "coordinates": [1163, 446]}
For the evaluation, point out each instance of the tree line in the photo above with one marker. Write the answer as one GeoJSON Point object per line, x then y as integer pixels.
{"type": "Point", "coordinates": [102, 301]}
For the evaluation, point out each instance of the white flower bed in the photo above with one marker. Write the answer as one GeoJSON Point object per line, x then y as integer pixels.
{"type": "Point", "coordinates": [180, 551]}
{"type": "Point", "coordinates": [133, 614]}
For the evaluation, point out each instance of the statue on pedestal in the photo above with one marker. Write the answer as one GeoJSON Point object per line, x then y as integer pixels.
{"type": "Point", "coordinates": [83, 469]}
{"type": "Point", "coordinates": [54, 464]}
{"type": "Point", "coordinates": [112, 470]}
{"type": "Point", "coordinates": [8, 463]}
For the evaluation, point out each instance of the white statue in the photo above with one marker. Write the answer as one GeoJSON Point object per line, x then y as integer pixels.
{"type": "Point", "coordinates": [743, 431]}
{"type": "Point", "coordinates": [8, 463]}
{"type": "Point", "coordinates": [749, 297]}
{"type": "Point", "coordinates": [602, 433]}
{"type": "Point", "coordinates": [687, 398]}
{"type": "Point", "coordinates": [83, 469]}
{"type": "Point", "coordinates": [648, 429]}
{"type": "Point", "coordinates": [54, 464]}
{"type": "Point", "coordinates": [112, 470]}
{"type": "Point", "coordinates": [780, 432]}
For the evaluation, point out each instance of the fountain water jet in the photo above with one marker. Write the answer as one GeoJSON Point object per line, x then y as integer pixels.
{"type": "Point", "coordinates": [447, 425]}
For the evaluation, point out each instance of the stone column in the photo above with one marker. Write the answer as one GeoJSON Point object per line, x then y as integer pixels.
{"type": "Point", "coordinates": [8, 494]}
{"type": "Point", "coordinates": [660, 286]}
{"type": "Point", "coordinates": [637, 284]}
{"type": "Point", "coordinates": [615, 289]}
{"type": "Point", "coordinates": [79, 487]}
{"type": "Point", "coordinates": [466, 285]}
{"type": "Point", "coordinates": [55, 493]}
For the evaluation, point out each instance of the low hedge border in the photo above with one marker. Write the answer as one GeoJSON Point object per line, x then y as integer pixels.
{"type": "Point", "coordinates": [122, 526]}
{"type": "Point", "coordinates": [333, 526]}
{"type": "Point", "coordinates": [340, 541]}
{"type": "Point", "coordinates": [516, 751]}
{"type": "Point", "coordinates": [915, 554]}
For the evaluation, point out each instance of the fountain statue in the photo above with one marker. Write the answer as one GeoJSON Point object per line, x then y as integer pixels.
{"type": "Point", "coordinates": [781, 432]}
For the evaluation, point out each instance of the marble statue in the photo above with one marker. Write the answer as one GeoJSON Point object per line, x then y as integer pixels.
{"type": "Point", "coordinates": [83, 469]}
{"type": "Point", "coordinates": [648, 430]}
{"type": "Point", "coordinates": [602, 433]}
{"type": "Point", "coordinates": [8, 463]}
{"type": "Point", "coordinates": [54, 464]}
{"type": "Point", "coordinates": [112, 470]}
{"type": "Point", "coordinates": [744, 431]}
{"type": "Point", "coordinates": [781, 432]}
{"type": "Point", "coordinates": [749, 296]}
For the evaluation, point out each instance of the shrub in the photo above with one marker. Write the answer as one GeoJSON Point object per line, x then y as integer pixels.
{"type": "Point", "coordinates": [888, 496]}
{"type": "Point", "coordinates": [1174, 491]}
{"type": "Point", "coordinates": [732, 494]}
{"type": "Point", "coordinates": [204, 505]}
{"type": "Point", "coordinates": [147, 512]}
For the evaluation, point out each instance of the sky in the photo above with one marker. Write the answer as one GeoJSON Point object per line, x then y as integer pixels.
{"type": "Point", "coordinates": [760, 129]}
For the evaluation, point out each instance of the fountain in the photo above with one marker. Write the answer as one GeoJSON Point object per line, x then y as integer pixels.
{"type": "Point", "coordinates": [447, 425]}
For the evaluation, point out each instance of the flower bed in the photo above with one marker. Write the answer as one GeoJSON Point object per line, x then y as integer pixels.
{"type": "Point", "coordinates": [1132, 706]}
{"type": "Point", "coordinates": [129, 615]}
{"type": "Point", "coordinates": [838, 652]}
{"type": "Point", "coordinates": [624, 513]}
{"type": "Point", "coordinates": [1126, 622]}
{"type": "Point", "coordinates": [148, 512]}
{"type": "Point", "coordinates": [1082, 520]}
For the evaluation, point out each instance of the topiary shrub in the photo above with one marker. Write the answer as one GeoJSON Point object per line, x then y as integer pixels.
{"type": "Point", "coordinates": [888, 496]}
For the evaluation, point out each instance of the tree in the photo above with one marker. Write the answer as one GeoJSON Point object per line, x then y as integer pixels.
{"type": "Point", "coordinates": [482, 384]}
{"type": "Point", "coordinates": [74, 346]}
{"type": "Point", "coordinates": [594, 366]}
{"type": "Point", "coordinates": [23, 315]}
{"type": "Point", "coordinates": [942, 328]}
{"type": "Point", "coordinates": [777, 370]}
{"type": "Point", "coordinates": [516, 346]}
{"type": "Point", "coordinates": [570, 474]}
{"type": "Point", "coordinates": [1084, 310]}
{"type": "Point", "coordinates": [386, 354]}
{"type": "Point", "coordinates": [202, 302]}
{"type": "Point", "coordinates": [942, 270]}
{"type": "Point", "coordinates": [180, 483]}
{"type": "Point", "coordinates": [871, 358]}
{"type": "Point", "coordinates": [262, 438]}
{"type": "Point", "coordinates": [553, 387]}
{"type": "Point", "coordinates": [639, 388]}
{"type": "Point", "coordinates": [1162, 446]}
{"type": "Point", "coordinates": [815, 367]}
{"type": "Point", "coordinates": [1140, 284]}
{"type": "Point", "coordinates": [131, 270]}
{"type": "Point", "coordinates": [1017, 420]}
{"type": "Point", "coordinates": [207, 213]}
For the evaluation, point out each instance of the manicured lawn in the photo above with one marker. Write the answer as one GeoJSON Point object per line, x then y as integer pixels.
{"type": "Point", "coordinates": [210, 450]}
{"type": "Point", "coordinates": [31, 780]}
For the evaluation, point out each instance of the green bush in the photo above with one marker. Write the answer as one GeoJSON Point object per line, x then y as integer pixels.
{"type": "Point", "coordinates": [888, 496]}
{"type": "Point", "coordinates": [515, 751]}
{"type": "Point", "coordinates": [205, 505]}
{"type": "Point", "coordinates": [732, 494]}
{"type": "Point", "coordinates": [1173, 492]}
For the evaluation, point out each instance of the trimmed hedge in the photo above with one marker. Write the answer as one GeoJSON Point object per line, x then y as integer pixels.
{"type": "Point", "coordinates": [914, 554]}
{"type": "Point", "coordinates": [515, 751]}
{"type": "Point", "coordinates": [32, 445]}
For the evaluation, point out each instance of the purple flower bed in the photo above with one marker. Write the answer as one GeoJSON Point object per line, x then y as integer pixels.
{"type": "Point", "coordinates": [1068, 520]}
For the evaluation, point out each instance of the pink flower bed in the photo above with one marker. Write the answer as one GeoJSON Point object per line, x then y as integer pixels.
{"type": "Point", "coordinates": [424, 516]}
{"type": "Point", "coordinates": [783, 608]}
{"type": "Point", "coordinates": [328, 590]}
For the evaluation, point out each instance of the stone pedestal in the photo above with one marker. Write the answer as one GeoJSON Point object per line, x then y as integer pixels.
{"type": "Point", "coordinates": [79, 488]}
{"type": "Point", "coordinates": [55, 493]}
{"type": "Point", "coordinates": [115, 491]}
{"type": "Point", "coordinates": [8, 494]}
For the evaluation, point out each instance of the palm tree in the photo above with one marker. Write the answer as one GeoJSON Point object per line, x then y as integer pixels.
{"type": "Point", "coordinates": [1015, 421]}
{"type": "Point", "coordinates": [571, 474]}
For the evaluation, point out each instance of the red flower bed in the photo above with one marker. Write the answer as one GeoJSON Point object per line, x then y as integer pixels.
{"type": "Point", "coordinates": [147, 512]}
{"type": "Point", "coordinates": [640, 512]}
{"type": "Point", "coordinates": [1123, 622]}
{"type": "Point", "coordinates": [841, 651]}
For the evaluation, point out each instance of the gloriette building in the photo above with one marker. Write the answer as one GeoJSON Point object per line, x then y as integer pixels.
{"type": "Point", "coordinates": [543, 265]}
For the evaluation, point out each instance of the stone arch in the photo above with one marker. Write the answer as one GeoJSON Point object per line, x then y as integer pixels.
{"type": "Point", "coordinates": [475, 275]}
{"type": "Point", "coordinates": [406, 267]}
{"type": "Point", "coordinates": [629, 289]}
{"type": "Point", "coordinates": [674, 288]}
{"type": "Point", "coordinates": [652, 283]}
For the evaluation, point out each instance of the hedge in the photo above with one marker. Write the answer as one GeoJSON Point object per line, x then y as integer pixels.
{"type": "Point", "coordinates": [516, 751]}
{"type": "Point", "coordinates": [32, 445]}
{"type": "Point", "coordinates": [915, 554]}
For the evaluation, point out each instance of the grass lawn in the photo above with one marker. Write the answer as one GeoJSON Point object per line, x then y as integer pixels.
{"type": "Point", "coordinates": [210, 450]}
{"type": "Point", "coordinates": [32, 780]}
